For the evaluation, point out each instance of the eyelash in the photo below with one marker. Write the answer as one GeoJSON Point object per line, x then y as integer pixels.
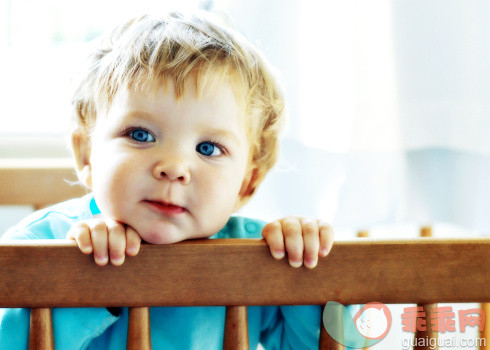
{"type": "Point", "coordinates": [218, 144]}
{"type": "Point", "coordinates": [127, 133]}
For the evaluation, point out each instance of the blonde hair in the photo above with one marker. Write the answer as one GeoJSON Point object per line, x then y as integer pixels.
{"type": "Point", "coordinates": [148, 51]}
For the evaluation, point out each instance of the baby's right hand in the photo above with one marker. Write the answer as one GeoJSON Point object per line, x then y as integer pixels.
{"type": "Point", "coordinates": [105, 237]}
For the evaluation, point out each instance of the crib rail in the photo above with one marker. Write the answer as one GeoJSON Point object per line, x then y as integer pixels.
{"type": "Point", "coordinates": [37, 182]}
{"type": "Point", "coordinates": [236, 273]}
{"type": "Point", "coordinates": [242, 272]}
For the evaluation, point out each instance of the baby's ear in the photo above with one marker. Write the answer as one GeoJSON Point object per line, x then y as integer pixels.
{"type": "Point", "coordinates": [249, 184]}
{"type": "Point", "coordinates": [80, 144]}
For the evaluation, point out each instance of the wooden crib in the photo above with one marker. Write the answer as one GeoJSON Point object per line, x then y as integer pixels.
{"type": "Point", "coordinates": [234, 273]}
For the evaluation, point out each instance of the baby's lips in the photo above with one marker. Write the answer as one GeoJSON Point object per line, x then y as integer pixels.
{"type": "Point", "coordinates": [166, 207]}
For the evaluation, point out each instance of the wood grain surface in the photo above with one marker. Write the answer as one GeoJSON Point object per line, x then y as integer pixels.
{"type": "Point", "coordinates": [242, 272]}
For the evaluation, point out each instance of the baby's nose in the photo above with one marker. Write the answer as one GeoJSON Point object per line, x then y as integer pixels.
{"type": "Point", "coordinates": [173, 169]}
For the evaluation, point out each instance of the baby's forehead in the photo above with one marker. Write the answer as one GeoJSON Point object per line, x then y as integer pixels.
{"type": "Point", "coordinates": [218, 98]}
{"type": "Point", "coordinates": [216, 90]}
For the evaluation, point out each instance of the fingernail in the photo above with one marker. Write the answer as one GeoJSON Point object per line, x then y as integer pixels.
{"type": "Point", "coordinates": [132, 250]}
{"type": "Point", "coordinates": [278, 254]}
{"type": "Point", "coordinates": [101, 260]}
{"type": "Point", "coordinates": [117, 261]}
{"type": "Point", "coordinates": [310, 263]}
{"type": "Point", "coordinates": [87, 249]}
{"type": "Point", "coordinates": [323, 251]}
{"type": "Point", "coordinates": [295, 263]}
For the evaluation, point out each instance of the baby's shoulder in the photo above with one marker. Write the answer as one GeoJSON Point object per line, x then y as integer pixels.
{"type": "Point", "coordinates": [51, 222]}
{"type": "Point", "coordinates": [241, 227]}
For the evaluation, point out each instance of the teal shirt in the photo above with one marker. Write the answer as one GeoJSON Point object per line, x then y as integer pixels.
{"type": "Point", "coordinates": [275, 327]}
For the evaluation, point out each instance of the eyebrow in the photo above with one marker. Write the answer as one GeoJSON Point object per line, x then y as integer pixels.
{"type": "Point", "coordinates": [223, 133]}
{"type": "Point", "coordinates": [138, 114]}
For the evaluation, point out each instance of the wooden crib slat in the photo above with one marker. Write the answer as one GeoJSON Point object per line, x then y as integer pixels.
{"type": "Point", "coordinates": [326, 341]}
{"type": "Point", "coordinates": [363, 234]}
{"type": "Point", "coordinates": [236, 328]}
{"type": "Point", "coordinates": [485, 334]}
{"type": "Point", "coordinates": [41, 330]}
{"type": "Point", "coordinates": [139, 335]}
{"type": "Point", "coordinates": [428, 311]}
{"type": "Point", "coordinates": [429, 333]}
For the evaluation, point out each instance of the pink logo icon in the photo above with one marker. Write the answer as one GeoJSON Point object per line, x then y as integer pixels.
{"type": "Point", "coordinates": [373, 320]}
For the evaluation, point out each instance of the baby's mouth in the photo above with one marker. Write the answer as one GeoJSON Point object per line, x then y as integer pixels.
{"type": "Point", "coordinates": [165, 208]}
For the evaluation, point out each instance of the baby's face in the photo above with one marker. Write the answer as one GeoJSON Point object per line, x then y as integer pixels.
{"type": "Point", "coordinates": [171, 169]}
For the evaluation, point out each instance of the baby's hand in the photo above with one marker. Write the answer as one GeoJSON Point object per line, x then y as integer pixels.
{"type": "Point", "coordinates": [104, 237]}
{"type": "Point", "coordinates": [305, 239]}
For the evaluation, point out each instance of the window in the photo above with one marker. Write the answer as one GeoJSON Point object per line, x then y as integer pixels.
{"type": "Point", "coordinates": [42, 44]}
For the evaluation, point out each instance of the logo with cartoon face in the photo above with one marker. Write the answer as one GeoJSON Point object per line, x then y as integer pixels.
{"type": "Point", "coordinates": [370, 324]}
{"type": "Point", "coordinates": [373, 320]}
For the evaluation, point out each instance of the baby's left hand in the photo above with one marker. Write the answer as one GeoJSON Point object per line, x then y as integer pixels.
{"type": "Point", "coordinates": [304, 239]}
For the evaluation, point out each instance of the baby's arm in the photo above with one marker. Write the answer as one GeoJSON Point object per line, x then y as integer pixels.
{"type": "Point", "coordinates": [106, 238]}
{"type": "Point", "coordinates": [304, 239]}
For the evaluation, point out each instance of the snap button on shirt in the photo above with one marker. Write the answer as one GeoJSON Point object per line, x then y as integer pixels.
{"type": "Point", "coordinates": [251, 227]}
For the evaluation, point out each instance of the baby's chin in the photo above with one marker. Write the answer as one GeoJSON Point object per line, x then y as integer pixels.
{"type": "Point", "coordinates": [169, 235]}
{"type": "Point", "coordinates": [161, 236]}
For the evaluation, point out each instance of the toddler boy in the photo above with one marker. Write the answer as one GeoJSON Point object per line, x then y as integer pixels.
{"type": "Point", "coordinates": [177, 123]}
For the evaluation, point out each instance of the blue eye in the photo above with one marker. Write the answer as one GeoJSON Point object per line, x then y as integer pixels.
{"type": "Point", "coordinates": [141, 135]}
{"type": "Point", "coordinates": [208, 149]}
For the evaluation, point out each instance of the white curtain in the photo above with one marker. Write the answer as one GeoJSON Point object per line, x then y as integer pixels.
{"type": "Point", "coordinates": [389, 107]}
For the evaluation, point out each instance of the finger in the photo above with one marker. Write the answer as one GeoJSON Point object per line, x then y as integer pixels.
{"type": "Point", "coordinates": [81, 234]}
{"type": "Point", "coordinates": [272, 233]}
{"type": "Point", "coordinates": [117, 242]}
{"type": "Point", "coordinates": [133, 241]}
{"type": "Point", "coordinates": [99, 236]}
{"type": "Point", "coordinates": [311, 238]}
{"type": "Point", "coordinates": [293, 239]}
{"type": "Point", "coordinates": [326, 238]}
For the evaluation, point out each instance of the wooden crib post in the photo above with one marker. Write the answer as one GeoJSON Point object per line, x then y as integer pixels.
{"type": "Point", "coordinates": [485, 334]}
{"type": "Point", "coordinates": [236, 328]}
{"type": "Point", "coordinates": [363, 234]}
{"type": "Point", "coordinates": [326, 341]}
{"type": "Point", "coordinates": [139, 335]}
{"type": "Point", "coordinates": [41, 330]}
{"type": "Point", "coordinates": [428, 310]}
